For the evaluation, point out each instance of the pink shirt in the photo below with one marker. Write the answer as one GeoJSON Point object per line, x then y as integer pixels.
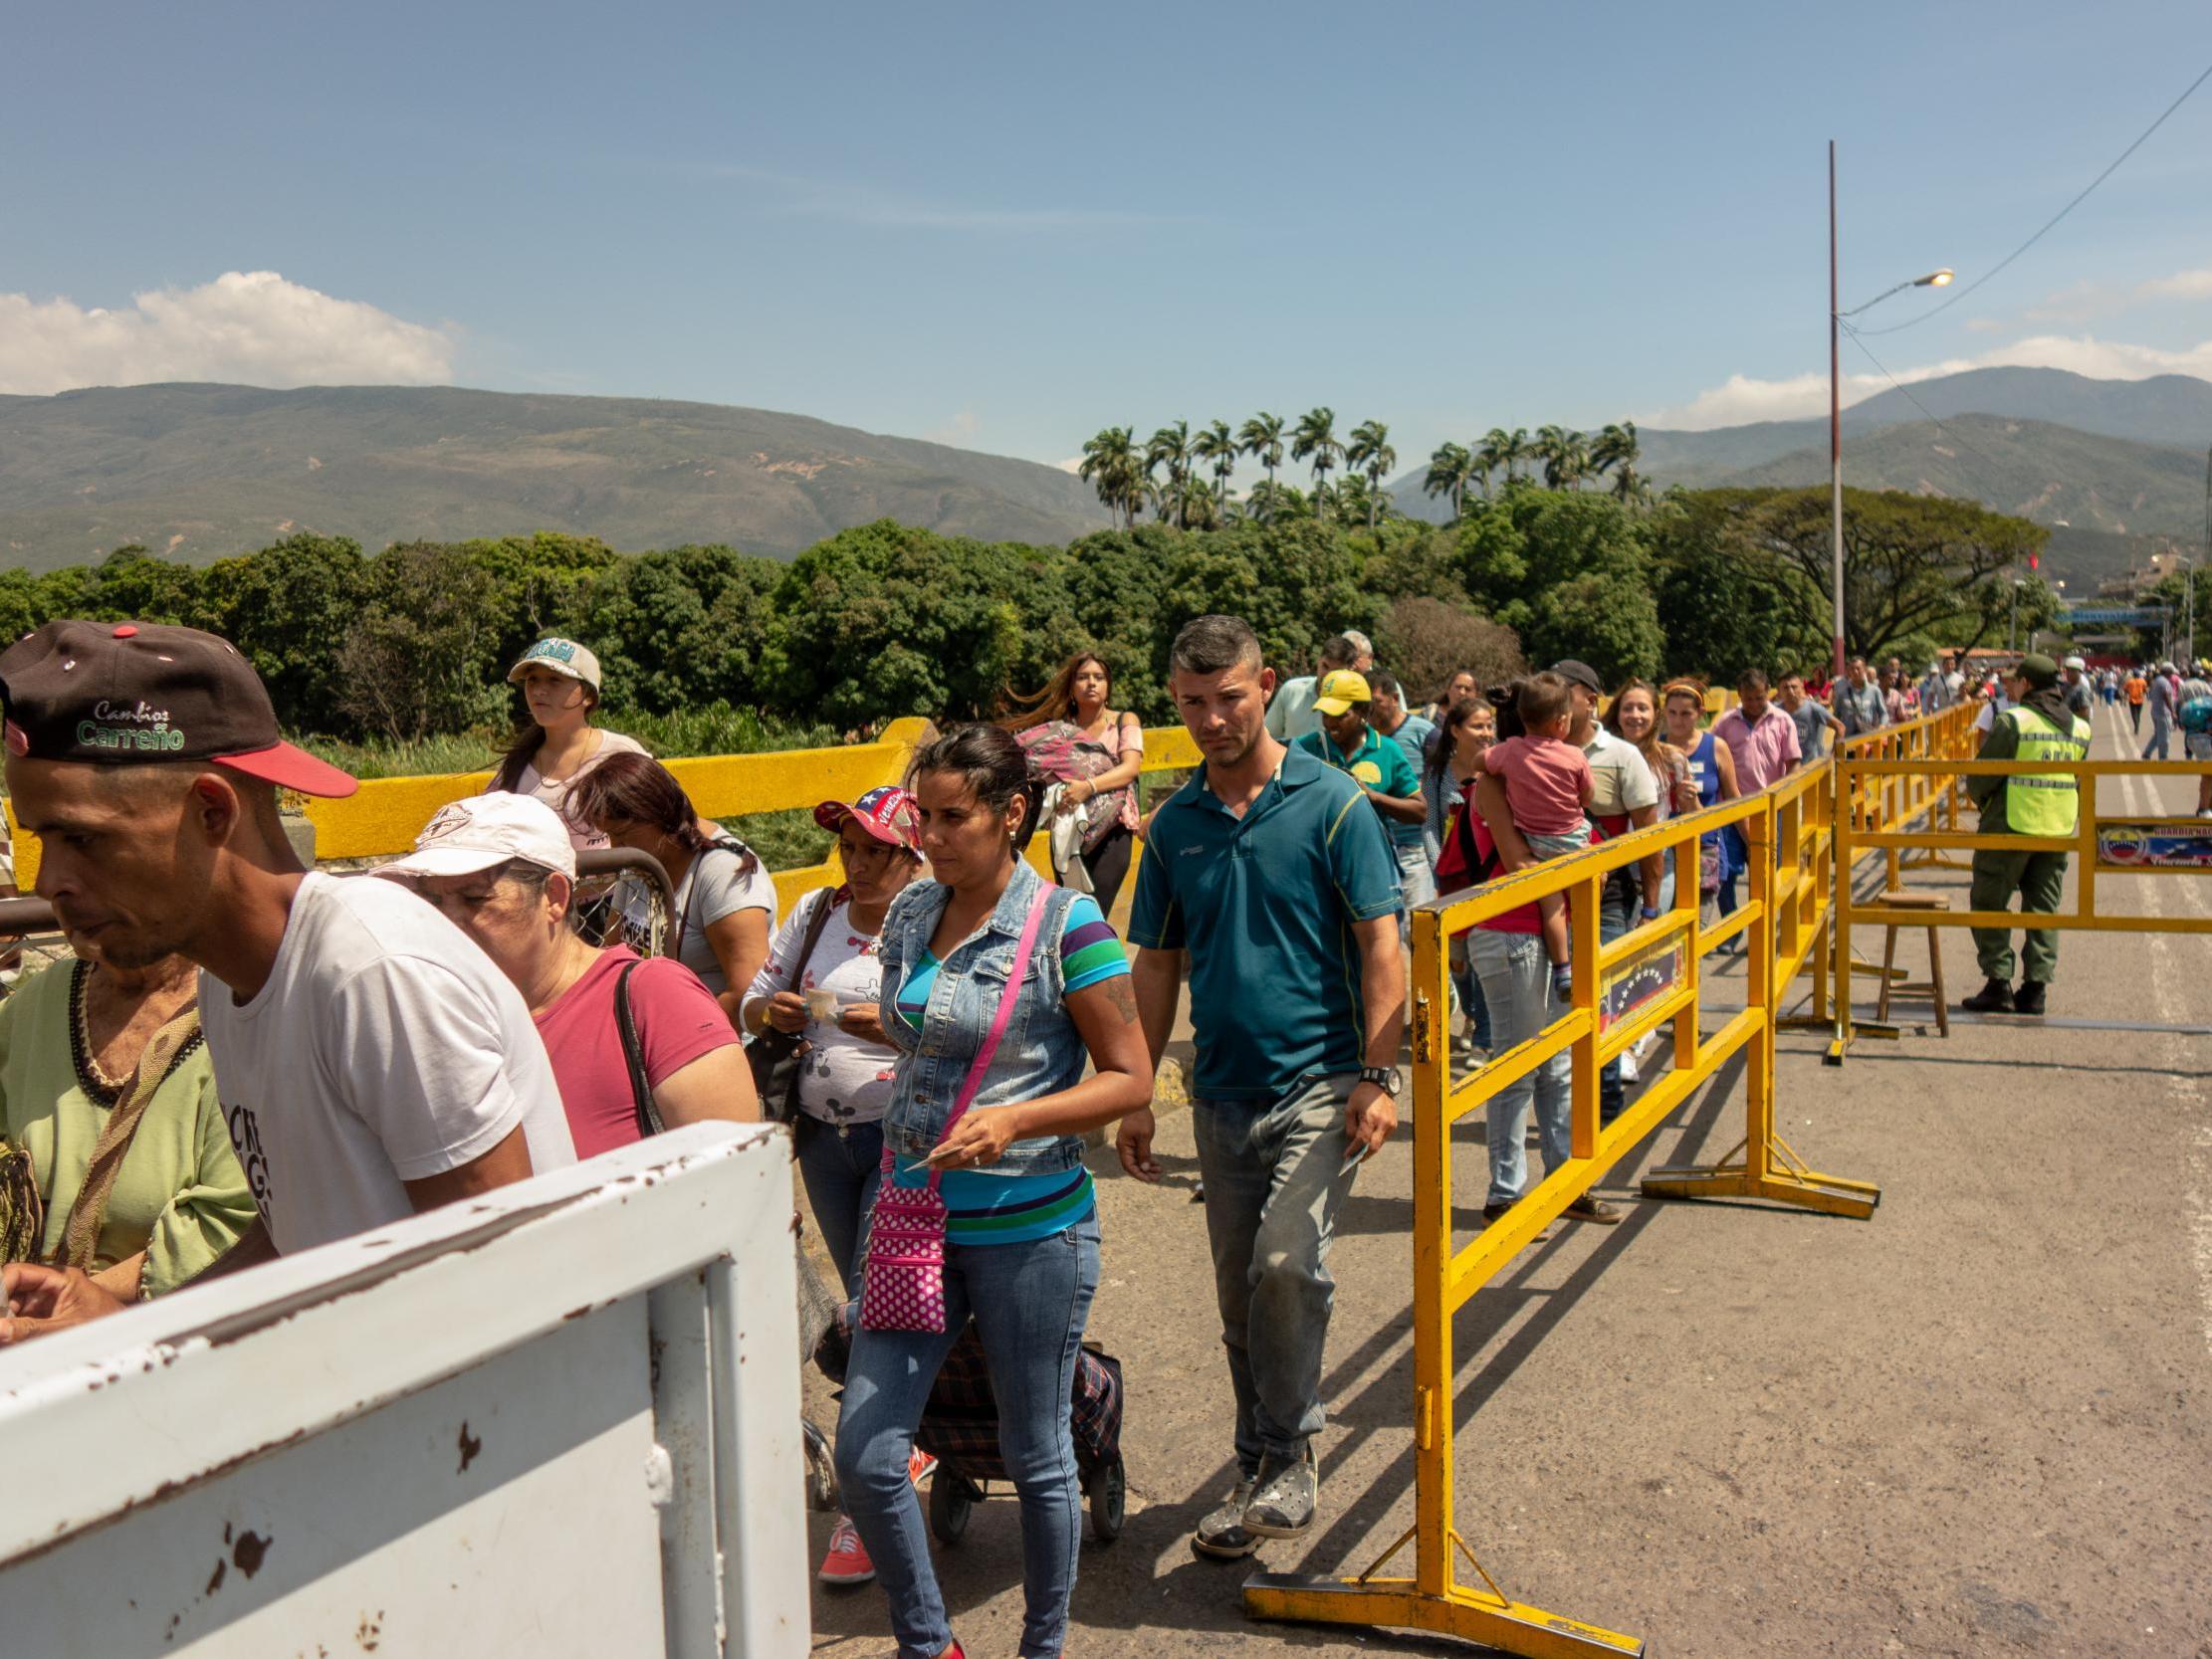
{"type": "Point", "coordinates": [1547, 780]}
{"type": "Point", "coordinates": [1765, 752]}
{"type": "Point", "coordinates": [677, 1018]}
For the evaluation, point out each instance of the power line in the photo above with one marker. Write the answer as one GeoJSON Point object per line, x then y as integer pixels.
{"type": "Point", "coordinates": [1913, 323]}
{"type": "Point", "coordinates": [1988, 494]}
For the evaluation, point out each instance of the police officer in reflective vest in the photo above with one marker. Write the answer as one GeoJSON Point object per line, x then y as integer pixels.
{"type": "Point", "coordinates": [2038, 727]}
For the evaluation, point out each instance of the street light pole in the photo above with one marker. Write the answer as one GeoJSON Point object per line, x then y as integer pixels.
{"type": "Point", "coordinates": [1835, 316]}
{"type": "Point", "coordinates": [1836, 425]}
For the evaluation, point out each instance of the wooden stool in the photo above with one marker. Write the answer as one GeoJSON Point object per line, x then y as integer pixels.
{"type": "Point", "coordinates": [1904, 900]}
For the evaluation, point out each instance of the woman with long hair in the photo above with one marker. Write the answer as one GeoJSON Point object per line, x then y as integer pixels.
{"type": "Point", "coordinates": [1633, 718]}
{"type": "Point", "coordinates": [1467, 727]}
{"type": "Point", "coordinates": [555, 742]}
{"type": "Point", "coordinates": [1073, 738]}
{"type": "Point", "coordinates": [1712, 769]}
{"type": "Point", "coordinates": [988, 949]}
{"type": "Point", "coordinates": [725, 900]}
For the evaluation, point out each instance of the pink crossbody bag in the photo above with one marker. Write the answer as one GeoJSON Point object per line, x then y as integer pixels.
{"type": "Point", "coordinates": [903, 1286]}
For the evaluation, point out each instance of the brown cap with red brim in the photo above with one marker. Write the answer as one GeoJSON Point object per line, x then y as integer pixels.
{"type": "Point", "coordinates": [119, 694]}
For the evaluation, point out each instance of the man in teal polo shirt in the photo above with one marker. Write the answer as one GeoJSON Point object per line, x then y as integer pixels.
{"type": "Point", "coordinates": [1348, 741]}
{"type": "Point", "coordinates": [1270, 873]}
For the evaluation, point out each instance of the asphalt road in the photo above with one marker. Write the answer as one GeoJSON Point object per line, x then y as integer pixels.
{"type": "Point", "coordinates": [1976, 1424]}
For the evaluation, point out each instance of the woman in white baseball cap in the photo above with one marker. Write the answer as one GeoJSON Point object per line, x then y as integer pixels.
{"type": "Point", "coordinates": [500, 867]}
{"type": "Point", "coordinates": [555, 741]}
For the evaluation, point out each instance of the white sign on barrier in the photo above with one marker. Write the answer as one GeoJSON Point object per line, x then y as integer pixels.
{"type": "Point", "coordinates": [558, 1419]}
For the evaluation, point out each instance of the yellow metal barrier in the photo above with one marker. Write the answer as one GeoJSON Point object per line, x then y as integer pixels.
{"type": "Point", "coordinates": [1649, 978]}
{"type": "Point", "coordinates": [383, 818]}
{"type": "Point", "coordinates": [2103, 844]}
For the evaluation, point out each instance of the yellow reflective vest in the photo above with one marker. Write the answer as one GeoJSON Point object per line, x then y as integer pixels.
{"type": "Point", "coordinates": [2044, 803]}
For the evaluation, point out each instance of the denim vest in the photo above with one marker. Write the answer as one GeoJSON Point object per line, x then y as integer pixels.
{"type": "Point", "coordinates": [1041, 1052]}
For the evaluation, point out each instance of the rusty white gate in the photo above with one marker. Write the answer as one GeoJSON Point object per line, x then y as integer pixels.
{"type": "Point", "coordinates": [559, 1419]}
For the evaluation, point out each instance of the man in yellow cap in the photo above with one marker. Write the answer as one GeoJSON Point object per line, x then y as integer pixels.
{"type": "Point", "coordinates": [2036, 727]}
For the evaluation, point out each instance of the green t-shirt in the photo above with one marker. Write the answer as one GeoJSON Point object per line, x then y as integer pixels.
{"type": "Point", "coordinates": [1379, 763]}
{"type": "Point", "coordinates": [1264, 906]}
{"type": "Point", "coordinates": [180, 1196]}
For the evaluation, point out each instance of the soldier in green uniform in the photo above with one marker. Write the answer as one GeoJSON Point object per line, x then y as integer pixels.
{"type": "Point", "coordinates": [2038, 727]}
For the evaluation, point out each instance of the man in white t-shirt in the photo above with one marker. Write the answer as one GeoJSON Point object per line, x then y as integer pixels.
{"type": "Point", "coordinates": [371, 1060]}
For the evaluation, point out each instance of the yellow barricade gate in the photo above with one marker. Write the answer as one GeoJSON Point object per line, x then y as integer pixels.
{"type": "Point", "coordinates": [2102, 844]}
{"type": "Point", "coordinates": [1649, 978]}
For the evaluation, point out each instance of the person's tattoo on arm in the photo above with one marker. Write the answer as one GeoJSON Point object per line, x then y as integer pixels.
{"type": "Point", "coordinates": [1122, 997]}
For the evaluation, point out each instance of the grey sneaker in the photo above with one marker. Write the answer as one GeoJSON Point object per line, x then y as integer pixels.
{"type": "Point", "coordinates": [1221, 1535]}
{"type": "Point", "coordinates": [1287, 1498]}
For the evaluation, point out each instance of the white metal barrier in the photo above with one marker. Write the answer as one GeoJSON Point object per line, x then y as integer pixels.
{"type": "Point", "coordinates": [560, 1419]}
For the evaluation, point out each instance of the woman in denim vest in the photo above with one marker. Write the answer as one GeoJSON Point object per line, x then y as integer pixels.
{"type": "Point", "coordinates": [1021, 1239]}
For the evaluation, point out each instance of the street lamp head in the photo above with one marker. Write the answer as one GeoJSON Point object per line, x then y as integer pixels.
{"type": "Point", "coordinates": [1936, 278]}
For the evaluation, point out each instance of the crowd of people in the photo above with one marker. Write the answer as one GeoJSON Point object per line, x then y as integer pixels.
{"type": "Point", "coordinates": [243, 1057]}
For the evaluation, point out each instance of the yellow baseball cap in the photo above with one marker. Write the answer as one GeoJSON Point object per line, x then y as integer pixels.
{"type": "Point", "coordinates": [1339, 690]}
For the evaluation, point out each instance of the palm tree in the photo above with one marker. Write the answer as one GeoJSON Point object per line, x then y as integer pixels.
{"type": "Point", "coordinates": [1261, 435]}
{"type": "Point", "coordinates": [1169, 446]}
{"type": "Point", "coordinates": [1566, 457]}
{"type": "Point", "coordinates": [1450, 468]}
{"type": "Point", "coordinates": [1615, 446]}
{"type": "Point", "coordinates": [1316, 437]}
{"type": "Point", "coordinates": [1112, 465]}
{"type": "Point", "coordinates": [1371, 453]}
{"type": "Point", "coordinates": [1502, 450]}
{"type": "Point", "coordinates": [1217, 444]}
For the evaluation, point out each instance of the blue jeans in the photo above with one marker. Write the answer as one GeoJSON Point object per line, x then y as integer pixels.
{"type": "Point", "coordinates": [1469, 984]}
{"type": "Point", "coordinates": [841, 1165]}
{"type": "Point", "coordinates": [1029, 1301]}
{"type": "Point", "coordinates": [2162, 734]}
{"type": "Point", "coordinates": [1274, 1179]}
{"type": "Point", "coordinates": [1417, 884]}
{"type": "Point", "coordinates": [1620, 912]}
{"type": "Point", "coordinates": [1516, 986]}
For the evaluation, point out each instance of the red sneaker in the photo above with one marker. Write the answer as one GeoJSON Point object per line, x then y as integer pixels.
{"type": "Point", "coordinates": [919, 1467]}
{"type": "Point", "coordinates": [846, 1562]}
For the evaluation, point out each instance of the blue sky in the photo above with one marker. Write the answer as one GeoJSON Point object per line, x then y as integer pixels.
{"type": "Point", "coordinates": [1007, 226]}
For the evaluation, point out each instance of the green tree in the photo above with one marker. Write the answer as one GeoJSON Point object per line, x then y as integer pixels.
{"type": "Point", "coordinates": [1113, 467]}
{"type": "Point", "coordinates": [1570, 573]}
{"type": "Point", "coordinates": [424, 654]}
{"type": "Point", "coordinates": [289, 609]}
{"type": "Point", "coordinates": [1315, 438]}
{"type": "Point", "coordinates": [1217, 444]}
{"type": "Point", "coordinates": [1912, 564]}
{"type": "Point", "coordinates": [1451, 468]}
{"type": "Point", "coordinates": [1565, 454]}
{"type": "Point", "coordinates": [1169, 446]}
{"type": "Point", "coordinates": [1262, 439]}
{"type": "Point", "coordinates": [1370, 451]}
{"type": "Point", "coordinates": [1502, 452]}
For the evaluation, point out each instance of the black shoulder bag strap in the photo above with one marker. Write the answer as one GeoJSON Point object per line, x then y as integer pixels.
{"type": "Point", "coordinates": [1478, 867]}
{"type": "Point", "coordinates": [633, 1051]}
{"type": "Point", "coordinates": [691, 896]}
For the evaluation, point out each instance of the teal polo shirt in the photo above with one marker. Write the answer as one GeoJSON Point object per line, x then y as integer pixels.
{"type": "Point", "coordinates": [1264, 906]}
{"type": "Point", "coordinates": [1380, 763]}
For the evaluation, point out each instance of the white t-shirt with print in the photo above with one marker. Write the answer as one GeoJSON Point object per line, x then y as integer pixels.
{"type": "Point", "coordinates": [555, 792]}
{"type": "Point", "coordinates": [385, 1048]}
{"type": "Point", "coordinates": [842, 1079]}
{"type": "Point", "coordinates": [722, 890]}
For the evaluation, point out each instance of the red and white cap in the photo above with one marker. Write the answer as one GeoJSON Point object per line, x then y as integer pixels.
{"type": "Point", "coordinates": [886, 812]}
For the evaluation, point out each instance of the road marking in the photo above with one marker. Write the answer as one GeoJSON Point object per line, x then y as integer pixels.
{"type": "Point", "coordinates": [2144, 799]}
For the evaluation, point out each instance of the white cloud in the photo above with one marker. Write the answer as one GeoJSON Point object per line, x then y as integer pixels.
{"type": "Point", "coordinates": [1742, 398]}
{"type": "Point", "coordinates": [959, 432]}
{"type": "Point", "coordinates": [251, 328]}
{"type": "Point", "coordinates": [1073, 464]}
{"type": "Point", "coordinates": [2182, 285]}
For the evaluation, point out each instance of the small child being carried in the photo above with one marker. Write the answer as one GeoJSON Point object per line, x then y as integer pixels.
{"type": "Point", "coordinates": [1547, 784]}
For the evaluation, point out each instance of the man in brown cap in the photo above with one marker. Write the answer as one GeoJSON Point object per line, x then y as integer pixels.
{"type": "Point", "coordinates": [371, 1060]}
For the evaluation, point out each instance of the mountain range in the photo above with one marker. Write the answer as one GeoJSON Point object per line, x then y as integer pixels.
{"type": "Point", "coordinates": [2112, 465]}
{"type": "Point", "coordinates": [199, 471]}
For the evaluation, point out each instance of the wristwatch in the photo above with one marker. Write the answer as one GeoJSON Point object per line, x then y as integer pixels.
{"type": "Point", "coordinates": [1651, 914]}
{"type": "Point", "coordinates": [1389, 1079]}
